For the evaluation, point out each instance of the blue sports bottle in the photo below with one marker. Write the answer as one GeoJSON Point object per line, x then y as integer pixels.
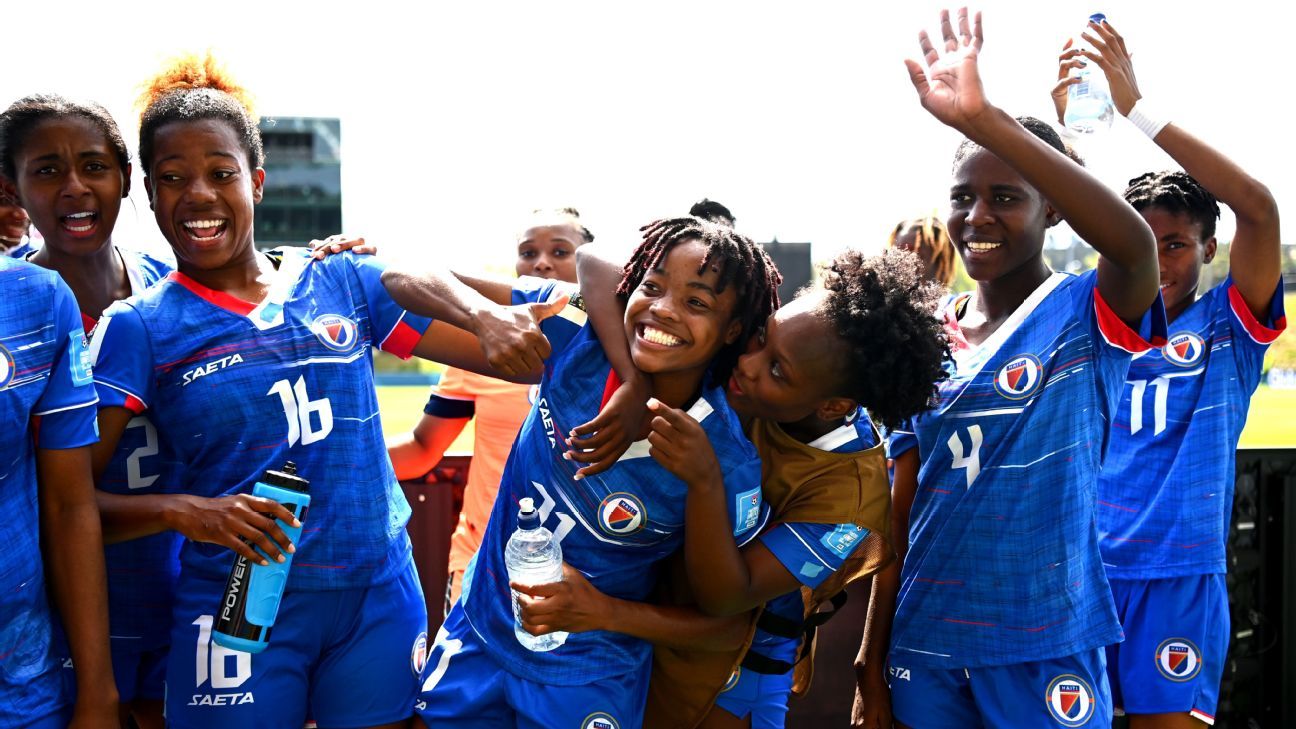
{"type": "Point", "coordinates": [252, 592]}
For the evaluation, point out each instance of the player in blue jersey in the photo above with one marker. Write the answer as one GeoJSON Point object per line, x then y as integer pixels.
{"type": "Point", "coordinates": [1166, 492]}
{"type": "Point", "coordinates": [694, 292]}
{"type": "Point", "coordinates": [244, 363]}
{"type": "Point", "coordinates": [866, 336]}
{"type": "Point", "coordinates": [47, 405]}
{"type": "Point", "coordinates": [70, 168]}
{"type": "Point", "coordinates": [1002, 609]}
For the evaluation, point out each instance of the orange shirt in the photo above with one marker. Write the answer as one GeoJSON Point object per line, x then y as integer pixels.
{"type": "Point", "coordinates": [499, 408]}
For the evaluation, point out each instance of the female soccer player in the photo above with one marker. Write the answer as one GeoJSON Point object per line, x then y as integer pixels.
{"type": "Point", "coordinates": [47, 404]}
{"type": "Point", "coordinates": [546, 249]}
{"type": "Point", "coordinates": [867, 336]}
{"type": "Point", "coordinates": [244, 365]}
{"type": "Point", "coordinates": [1166, 491]}
{"type": "Point", "coordinates": [694, 293]}
{"type": "Point", "coordinates": [70, 170]}
{"type": "Point", "coordinates": [1003, 610]}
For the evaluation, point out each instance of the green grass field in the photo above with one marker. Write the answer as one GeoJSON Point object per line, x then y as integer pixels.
{"type": "Point", "coordinates": [1272, 422]}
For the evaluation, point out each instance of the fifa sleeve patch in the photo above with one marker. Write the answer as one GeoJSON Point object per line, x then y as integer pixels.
{"type": "Point", "coordinates": [842, 540]}
{"type": "Point", "coordinates": [747, 510]}
{"type": "Point", "coordinates": [80, 360]}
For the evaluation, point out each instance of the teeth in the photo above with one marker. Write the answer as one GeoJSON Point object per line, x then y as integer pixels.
{"type": "Point", "coordinates": [79, 215]}
{"type": "Point", "coordinates": [202, 223]}
{"type": "Point", "coordinates": [980, 246]}
{"type": "Point", "coordinates": [657, 336]}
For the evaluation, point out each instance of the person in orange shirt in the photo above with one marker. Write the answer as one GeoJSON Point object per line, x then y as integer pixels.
{"type": "Point", "coordinates": [546, 249]}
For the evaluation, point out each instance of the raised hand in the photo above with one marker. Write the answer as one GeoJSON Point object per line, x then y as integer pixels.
{"type": "Point", "coordinates": [1109, 52]}
{"type": "Point", "coordinates": [948, 81]}
{"type": "Point", "coordinates": [511, 338]}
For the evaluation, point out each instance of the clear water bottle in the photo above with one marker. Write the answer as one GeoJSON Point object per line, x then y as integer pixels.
{"type": "Point", "coordinates": [1089, 105]}
{"type": "Point", "coordinates": [533, 557]}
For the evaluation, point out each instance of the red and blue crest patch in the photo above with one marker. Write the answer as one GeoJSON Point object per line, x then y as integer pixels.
{"type": "Point", "coordinates": [1178, 659]}
{"type": "Point", "coordinates": [622, 513]}
{"type": "Point", "coordinates": [1019, 377]}
{"type": "Point", "coordinates": [336, 332]}
{"type": "Point", "coordinates": [1070, 700]}
{"type": "Point", "coordinates": [1184, 349]}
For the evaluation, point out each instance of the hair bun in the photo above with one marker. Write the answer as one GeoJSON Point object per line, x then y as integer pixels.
{"type": "Point", "coordinates": [194, 71]}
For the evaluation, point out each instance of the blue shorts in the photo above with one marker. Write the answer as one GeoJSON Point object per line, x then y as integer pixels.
{"type": "Point", "coordinates": [33, 686]}
{"type": "Point", "coordinates": [348, 658]}
{"type": "Point", "coordinates": [462, 686]}
{"type": "Point", "coordinates": [1061, 692]}
{"type": "Point", "coordinates": [1176, 641]}
{"type": "Point", "coordinates": [764, 696]}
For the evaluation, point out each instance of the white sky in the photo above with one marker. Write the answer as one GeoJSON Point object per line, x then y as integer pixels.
{"type": "Point", "coordinates": [458, 118]}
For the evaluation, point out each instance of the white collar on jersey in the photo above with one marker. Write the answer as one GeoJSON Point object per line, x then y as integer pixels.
{"type": "Point", "coordinates": [639, 449]}
{"type": "Point", "coordinates": [269, 313]}
{"type": "Point", "coordinates": [981, 353]}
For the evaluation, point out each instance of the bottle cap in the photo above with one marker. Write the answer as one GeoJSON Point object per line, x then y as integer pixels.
{"type": "Point", "coordinates": [528, 518]}
{"type": "Point", "coordinates": [1097, 18]}
{"type": "Point", "coordinates": [287, 478]}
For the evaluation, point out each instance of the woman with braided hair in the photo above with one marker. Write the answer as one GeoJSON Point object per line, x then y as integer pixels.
{"type": "Point", "coordinates": [694, 294]}
{"type": "Point", "coordinates": [1165, 492]}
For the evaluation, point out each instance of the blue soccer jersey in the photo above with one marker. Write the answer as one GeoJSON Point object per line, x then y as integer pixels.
{"type": "Point", "coordinates": [1166, 492]}
{"type": "Point", "coordinates": [615, 526]}
{"type": "Point", "coordinates": [47, 400]}
{"type": "Point", "coordinates": [235, 389]}
{"type": "Point", "coordinates": [1003, 563]}
{"type": "Point", "coordinates": [141, 572]}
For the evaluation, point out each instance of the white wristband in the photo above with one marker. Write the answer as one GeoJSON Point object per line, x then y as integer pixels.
{"type": "Point", "coordinates": [1149, 125]}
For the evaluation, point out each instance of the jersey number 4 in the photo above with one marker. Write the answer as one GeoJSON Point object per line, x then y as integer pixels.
{"type": "Point", "coordinates": [969, 459]}
{"type": "Point", "coordinates": [301, 412]}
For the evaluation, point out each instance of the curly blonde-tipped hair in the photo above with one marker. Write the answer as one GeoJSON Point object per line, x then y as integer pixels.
{"type": "Point", "coordinates": [195, 87]}
{"type": "Point", "coordinates": [932, 237]}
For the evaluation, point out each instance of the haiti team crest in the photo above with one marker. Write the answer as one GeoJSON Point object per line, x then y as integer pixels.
{"type": "Point", "coordinates": [1070, 700]}
{"type": "Point", "coordinates": [1184, 349]}
{"type": "Point", "coordinates": [622, 513]}
{"type": "Point", "coordinates": [336, 332]}
{"type": "Point", "coordinates": [7, 367]}
{"type": "Point", "coordinates": [1020, 377]}
{"type": "Point", "coordinates": [1178, 659]}
{"type": "Point", "coordinates": [600, 720]}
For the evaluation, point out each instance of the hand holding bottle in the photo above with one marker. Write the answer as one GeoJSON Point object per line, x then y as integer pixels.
{"type": "Point", "coordinates": [1107, 50]}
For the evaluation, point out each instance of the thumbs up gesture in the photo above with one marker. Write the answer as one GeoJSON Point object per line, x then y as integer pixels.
{"type": "Point", "coordinates": [511, 338]}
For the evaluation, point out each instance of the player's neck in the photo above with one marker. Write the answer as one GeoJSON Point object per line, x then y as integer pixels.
{"type": "Point", "coordinates": [996, 300]}
{"type": "Point", "coordinates": [810, 428]}
{"type": "Point", "coordinates": [97, 279]}
{"type": "Point", "coordinates": [677, 389]}
{"type": "Point", "coordinates": [245, 277]}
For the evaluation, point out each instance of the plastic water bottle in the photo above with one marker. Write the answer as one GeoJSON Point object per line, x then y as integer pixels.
{"type": "Point", "coordinates": [1089, 105]}
{"type": "Point", "coordinates": [533, 557]}
{"type": "Point", "coordinates": [252, 593]}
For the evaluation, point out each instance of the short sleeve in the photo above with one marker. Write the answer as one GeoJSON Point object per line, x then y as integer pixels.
{"type": "Point", "coordinates": [901, 439]}
{"type": "Point", "coordinates": [1252, 337]}
{"type": "Point", "coordinates": [123, 359]}
{"type": "Point", "coordinates": [395, 330]}
{"type": "Point", "coordinates": [1114, 334]}
{"type": "Point", "coordinates": [66, 406]}
{"type": "Point", "coordinates": [812, 552]}
{"type": "Point", "coordinates": [561, 328]}
{"type": "Point", "coordinates": [452, 397]}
